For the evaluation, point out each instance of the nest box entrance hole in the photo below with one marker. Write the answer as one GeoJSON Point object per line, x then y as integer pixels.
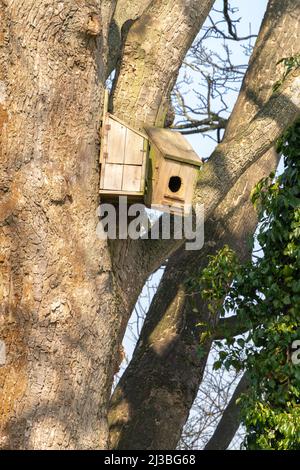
{"type": "Point", "coordinates": [175, 184]}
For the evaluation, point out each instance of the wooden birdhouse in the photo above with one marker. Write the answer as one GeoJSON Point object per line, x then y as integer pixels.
{"type": "Point", "coordinates": [123, 160]}
{"type": "Point", "coordinates": [173, 166]}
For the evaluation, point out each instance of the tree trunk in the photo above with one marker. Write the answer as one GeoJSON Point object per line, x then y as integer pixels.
{"type": "Point", "coordinates": [125, 13]}
{"type": "Point", "coordinates": [65, 296]}
{"type": "Point", "coordinates": [154, 396]}
{"type": "Point", "coordinates": [59, 299]}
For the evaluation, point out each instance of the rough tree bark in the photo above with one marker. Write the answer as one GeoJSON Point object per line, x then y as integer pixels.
{"type": "Point", "coordinates": [154, 396]}
{"type": "Point", "coordinates": [59, 298]}
{"type": "Point", "coordinates": [153, 49]}
{"type": "Point", "coordinates": [125, 13]}
{"type": "Point", "coordinates": [64, 297]}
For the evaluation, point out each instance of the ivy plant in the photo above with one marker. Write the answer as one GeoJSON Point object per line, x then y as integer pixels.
{"type": "Point", "coordinates": [265, 296]}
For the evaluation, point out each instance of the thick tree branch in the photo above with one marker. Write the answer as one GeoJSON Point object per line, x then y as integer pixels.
{"type": "Point", "coordinates": [127, 10]}
{"type": "Point", "coordinates": [233, 157]}
{"type": "Point", "coordinates": [165, 371]}
{"type": "Point", "coordinates": [250, 102]}
{"type": "Point", "coordinates": [125, 13]}
{"type": "Point", "coordinates": [230, 420]}
{"type": "Point", "coordinates": [154, 49]}
{"type": "Point", "coordinates": [166, 363]}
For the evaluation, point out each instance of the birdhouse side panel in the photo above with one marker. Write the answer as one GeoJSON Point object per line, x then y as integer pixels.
{"type": "Point", "coordinates": [116, 142]}
{"type": "Point", "coordinates": [111, 177]}
{"type": "Point", "coordinates": [161, 194]}
{"type": "Point", "coordinates": [123, 159]}
{"type": "Point", "coordinates": [134, 148]}
{"type": "Point", "coordinates": [154, 164]}
{"type": "Point", "coordinates": [132, 178]}
{"type": "Point", "coordinates": [188, 175]}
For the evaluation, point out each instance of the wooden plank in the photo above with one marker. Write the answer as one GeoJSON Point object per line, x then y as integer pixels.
{"type": "Point", "coordinates": [134, 148]}
{"type": "Point", "coordinates": [145, 166]}
{"type": "Point", "coordinates": [173, 145]}
{"type": "Point", "coordinates": [185, 161]}
{"type": "Point", "coordinates": [111, 192]}
{"type": "Point", "coordinates": [112, 177]}
{"type": "Point", "coordinates": [142, 134]}
{"type": "Point", "coordinates": [188, 174]}
{"type": "Point", "coordinates": [132, 175]}
{"type": "Point", "coordinates": [116, 140]}
{"type": "Point", "coordinates": [103, 131]}
{"type": "Point", "coordinates": [161, 184]}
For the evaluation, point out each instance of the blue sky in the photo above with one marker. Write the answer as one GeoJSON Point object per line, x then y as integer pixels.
{"type": "Point", "coordinates": [251, 13]}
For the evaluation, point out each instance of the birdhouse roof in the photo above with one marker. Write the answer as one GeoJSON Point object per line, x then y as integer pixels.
{"type": "Point", "coordinates": [173, 145]}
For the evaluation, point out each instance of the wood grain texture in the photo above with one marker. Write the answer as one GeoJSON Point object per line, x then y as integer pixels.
{"type": "Point", "coordinates": [123, 159]}
{"type": "Point", "coordinates": [173, 145]}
